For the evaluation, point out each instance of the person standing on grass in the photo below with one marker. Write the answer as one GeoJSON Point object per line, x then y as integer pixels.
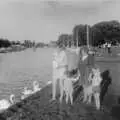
{"type": "Point", "coordinates": [109, 48]}
{"type": "Point", "coordinates": [59, 69]}
{"type": "Point", "coordinates": [86, 63]}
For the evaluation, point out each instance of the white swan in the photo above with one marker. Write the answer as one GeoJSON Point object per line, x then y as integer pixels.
{"type": "Point", "coordinates": [5, 104]}
{"type": "Point", "coordinates": [26, 93]}
{"type": "Point", "coordinates": [36, 86]}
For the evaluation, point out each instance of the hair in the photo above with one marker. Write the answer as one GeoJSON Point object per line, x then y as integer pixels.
{"type": "Point", "coordinates": [62, 46]}
{"type": "Point", "coordinates": [85, 49]}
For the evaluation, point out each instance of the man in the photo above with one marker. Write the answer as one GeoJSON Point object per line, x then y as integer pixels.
{"type": "Point", "coordinates": [59, 69]}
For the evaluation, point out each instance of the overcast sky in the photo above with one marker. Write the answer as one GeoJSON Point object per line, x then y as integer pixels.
{"type": "Point", "coordinates": [44, 20]}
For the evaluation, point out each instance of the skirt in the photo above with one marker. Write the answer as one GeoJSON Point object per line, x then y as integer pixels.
{"type": "Point", "coordinates": [84, 72]}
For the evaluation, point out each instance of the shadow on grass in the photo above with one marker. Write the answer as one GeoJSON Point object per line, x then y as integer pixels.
{"type": "Point", "coordinates": [106, 82]}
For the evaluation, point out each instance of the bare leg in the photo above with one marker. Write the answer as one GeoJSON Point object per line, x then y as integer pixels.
{"type": "Point", "coordinates": [67, 96]}
{"type": "Point", "coordinates": [97, 100]}
{"type": "Point", "coordinates": [85, 97]}
{"type": "Point", "coordinates": [89, 98]}
{"type": "Point", "coordinates": [71, 97]}
{"type": "Point", "coordinates": [61, 89]}
{"type": "Point", "coordinates": [54, 83]}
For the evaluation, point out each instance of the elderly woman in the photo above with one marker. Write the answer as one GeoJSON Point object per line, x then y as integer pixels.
{"type": "Point", "coordinates": [59, 69]}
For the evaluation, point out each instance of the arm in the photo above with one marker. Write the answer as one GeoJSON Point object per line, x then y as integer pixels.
{"type": "Point", "coordinates": [90, 77]}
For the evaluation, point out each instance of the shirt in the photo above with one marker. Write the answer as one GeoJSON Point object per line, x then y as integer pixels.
{"type": "Point", "coordinates": [60, 59]}
{"type": "Point", "coordinates": [84, 57]}
{"type": "Point", "coordinates": [109, 45]}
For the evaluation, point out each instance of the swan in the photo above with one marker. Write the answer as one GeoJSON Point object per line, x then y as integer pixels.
{"type": "Point", "coordinates": [36, 86]}
{"type": "Point", "coordinates": [26, 93]}
{"type": "Point", "coordinates": [5, 104]}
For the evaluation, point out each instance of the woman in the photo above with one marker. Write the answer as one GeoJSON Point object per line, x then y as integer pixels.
{"type": "Point", "coordinates": [85, 65]}
{"type": "Point", "coordinates": [59, 68]}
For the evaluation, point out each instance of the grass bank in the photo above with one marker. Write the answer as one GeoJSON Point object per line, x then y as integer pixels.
{"type": "Point", "coordinates": [38, 107]}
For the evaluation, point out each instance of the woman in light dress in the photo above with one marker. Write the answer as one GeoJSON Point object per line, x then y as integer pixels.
{"type": "Point", "coordinates": [59, 68]}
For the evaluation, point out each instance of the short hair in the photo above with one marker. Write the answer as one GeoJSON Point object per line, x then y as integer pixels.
{"type": "Point", "coordinates": [85, 49]}
{"type": "Point", "coordinates": [62, 46]}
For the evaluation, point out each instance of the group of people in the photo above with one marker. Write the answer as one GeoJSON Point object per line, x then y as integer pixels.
{"type": "Point", "coordinates": [5, 104]}
{"type": "Point", "coordinates": [107, 46]}
{"type": "Point", "coordinates": [68, 63]}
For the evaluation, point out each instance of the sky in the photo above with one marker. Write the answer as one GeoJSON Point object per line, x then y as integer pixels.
{"type": "Point", "coordinates": [45, 20]}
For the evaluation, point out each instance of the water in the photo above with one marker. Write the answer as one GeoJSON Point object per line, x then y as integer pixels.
{"type": "Point", "coordinates": [19, 69]}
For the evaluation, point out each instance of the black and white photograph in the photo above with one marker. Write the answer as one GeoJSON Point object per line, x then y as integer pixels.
{"type": "Point", "coordinates": [59, 59]}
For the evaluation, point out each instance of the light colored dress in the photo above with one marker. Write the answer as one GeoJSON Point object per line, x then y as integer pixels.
{"type": "Point", "coordinates": [59, 64]}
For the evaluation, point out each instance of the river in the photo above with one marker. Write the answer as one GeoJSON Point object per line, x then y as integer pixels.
{"type": "Point", "coordinates": [19, 69]}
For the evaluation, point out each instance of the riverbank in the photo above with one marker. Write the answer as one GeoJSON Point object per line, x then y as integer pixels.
{"type": "Point", "coordinates": [12, 49]}
{"type": "Point", "coordinates": [38, 107]}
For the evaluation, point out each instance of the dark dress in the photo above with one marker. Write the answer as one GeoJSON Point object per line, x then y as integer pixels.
{"type": "Point", "coordinates": [85, 68]}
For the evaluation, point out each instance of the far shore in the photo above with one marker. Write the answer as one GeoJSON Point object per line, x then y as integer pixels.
{"type": "Point", "coordinates": [15, 48]}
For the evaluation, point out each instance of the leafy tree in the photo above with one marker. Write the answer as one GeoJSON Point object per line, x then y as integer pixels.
{"type": "Point", "coordinates": [63, 39]}
{"type": "Point", "coordinates": [106, 31]}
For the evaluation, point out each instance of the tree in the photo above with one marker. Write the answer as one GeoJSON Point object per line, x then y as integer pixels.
{"type": "Point", "coordinates": [77, 34]}
{"type": "Point", "coordinates": [106, 31]}
{"type": "Point", "coordinates": [80, 34]}
{"type": "Point", "coordinates": [4, 42]}
{"type": "Point", "coordinates": [63, 39]}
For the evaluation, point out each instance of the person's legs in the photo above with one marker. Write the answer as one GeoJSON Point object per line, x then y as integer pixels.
{"type": "Point", "coordinates": [71, 97]}
{"type": "Point", "coordinates": [55, 78]}
{"type": "Point", "coordinates": [54, 83]}
{"type": "Point", "coordinates": [85, 94]}
{"type": "Point", "coordinates": [61, 89]}
{"type": "Point", "coordinates": [62, 73]}
{"type": "Point", "coordinates": [97, 100]}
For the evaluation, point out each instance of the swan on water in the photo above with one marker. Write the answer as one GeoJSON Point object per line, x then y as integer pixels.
{"type": "Point", "coordinates": [36, 86]}
{"type": "Point", "coordinates": [5, 104]}
{"type": "Point", "coordinates": [26, 93]}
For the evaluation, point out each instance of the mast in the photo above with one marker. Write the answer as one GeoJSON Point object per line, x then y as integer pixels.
{"type": "Point", "coordinates": [88, 37]}
{"type": "Point", "coordinates": [77, 37]}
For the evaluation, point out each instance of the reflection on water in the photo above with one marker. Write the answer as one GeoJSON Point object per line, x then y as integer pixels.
{"type": "Point", "coordinates": [21, 68]}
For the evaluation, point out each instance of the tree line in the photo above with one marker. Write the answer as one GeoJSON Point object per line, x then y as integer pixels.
{"type": "Point", "coordinates": [99, 33]}
{"type": "Point", "coordinates": [27, 43]}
